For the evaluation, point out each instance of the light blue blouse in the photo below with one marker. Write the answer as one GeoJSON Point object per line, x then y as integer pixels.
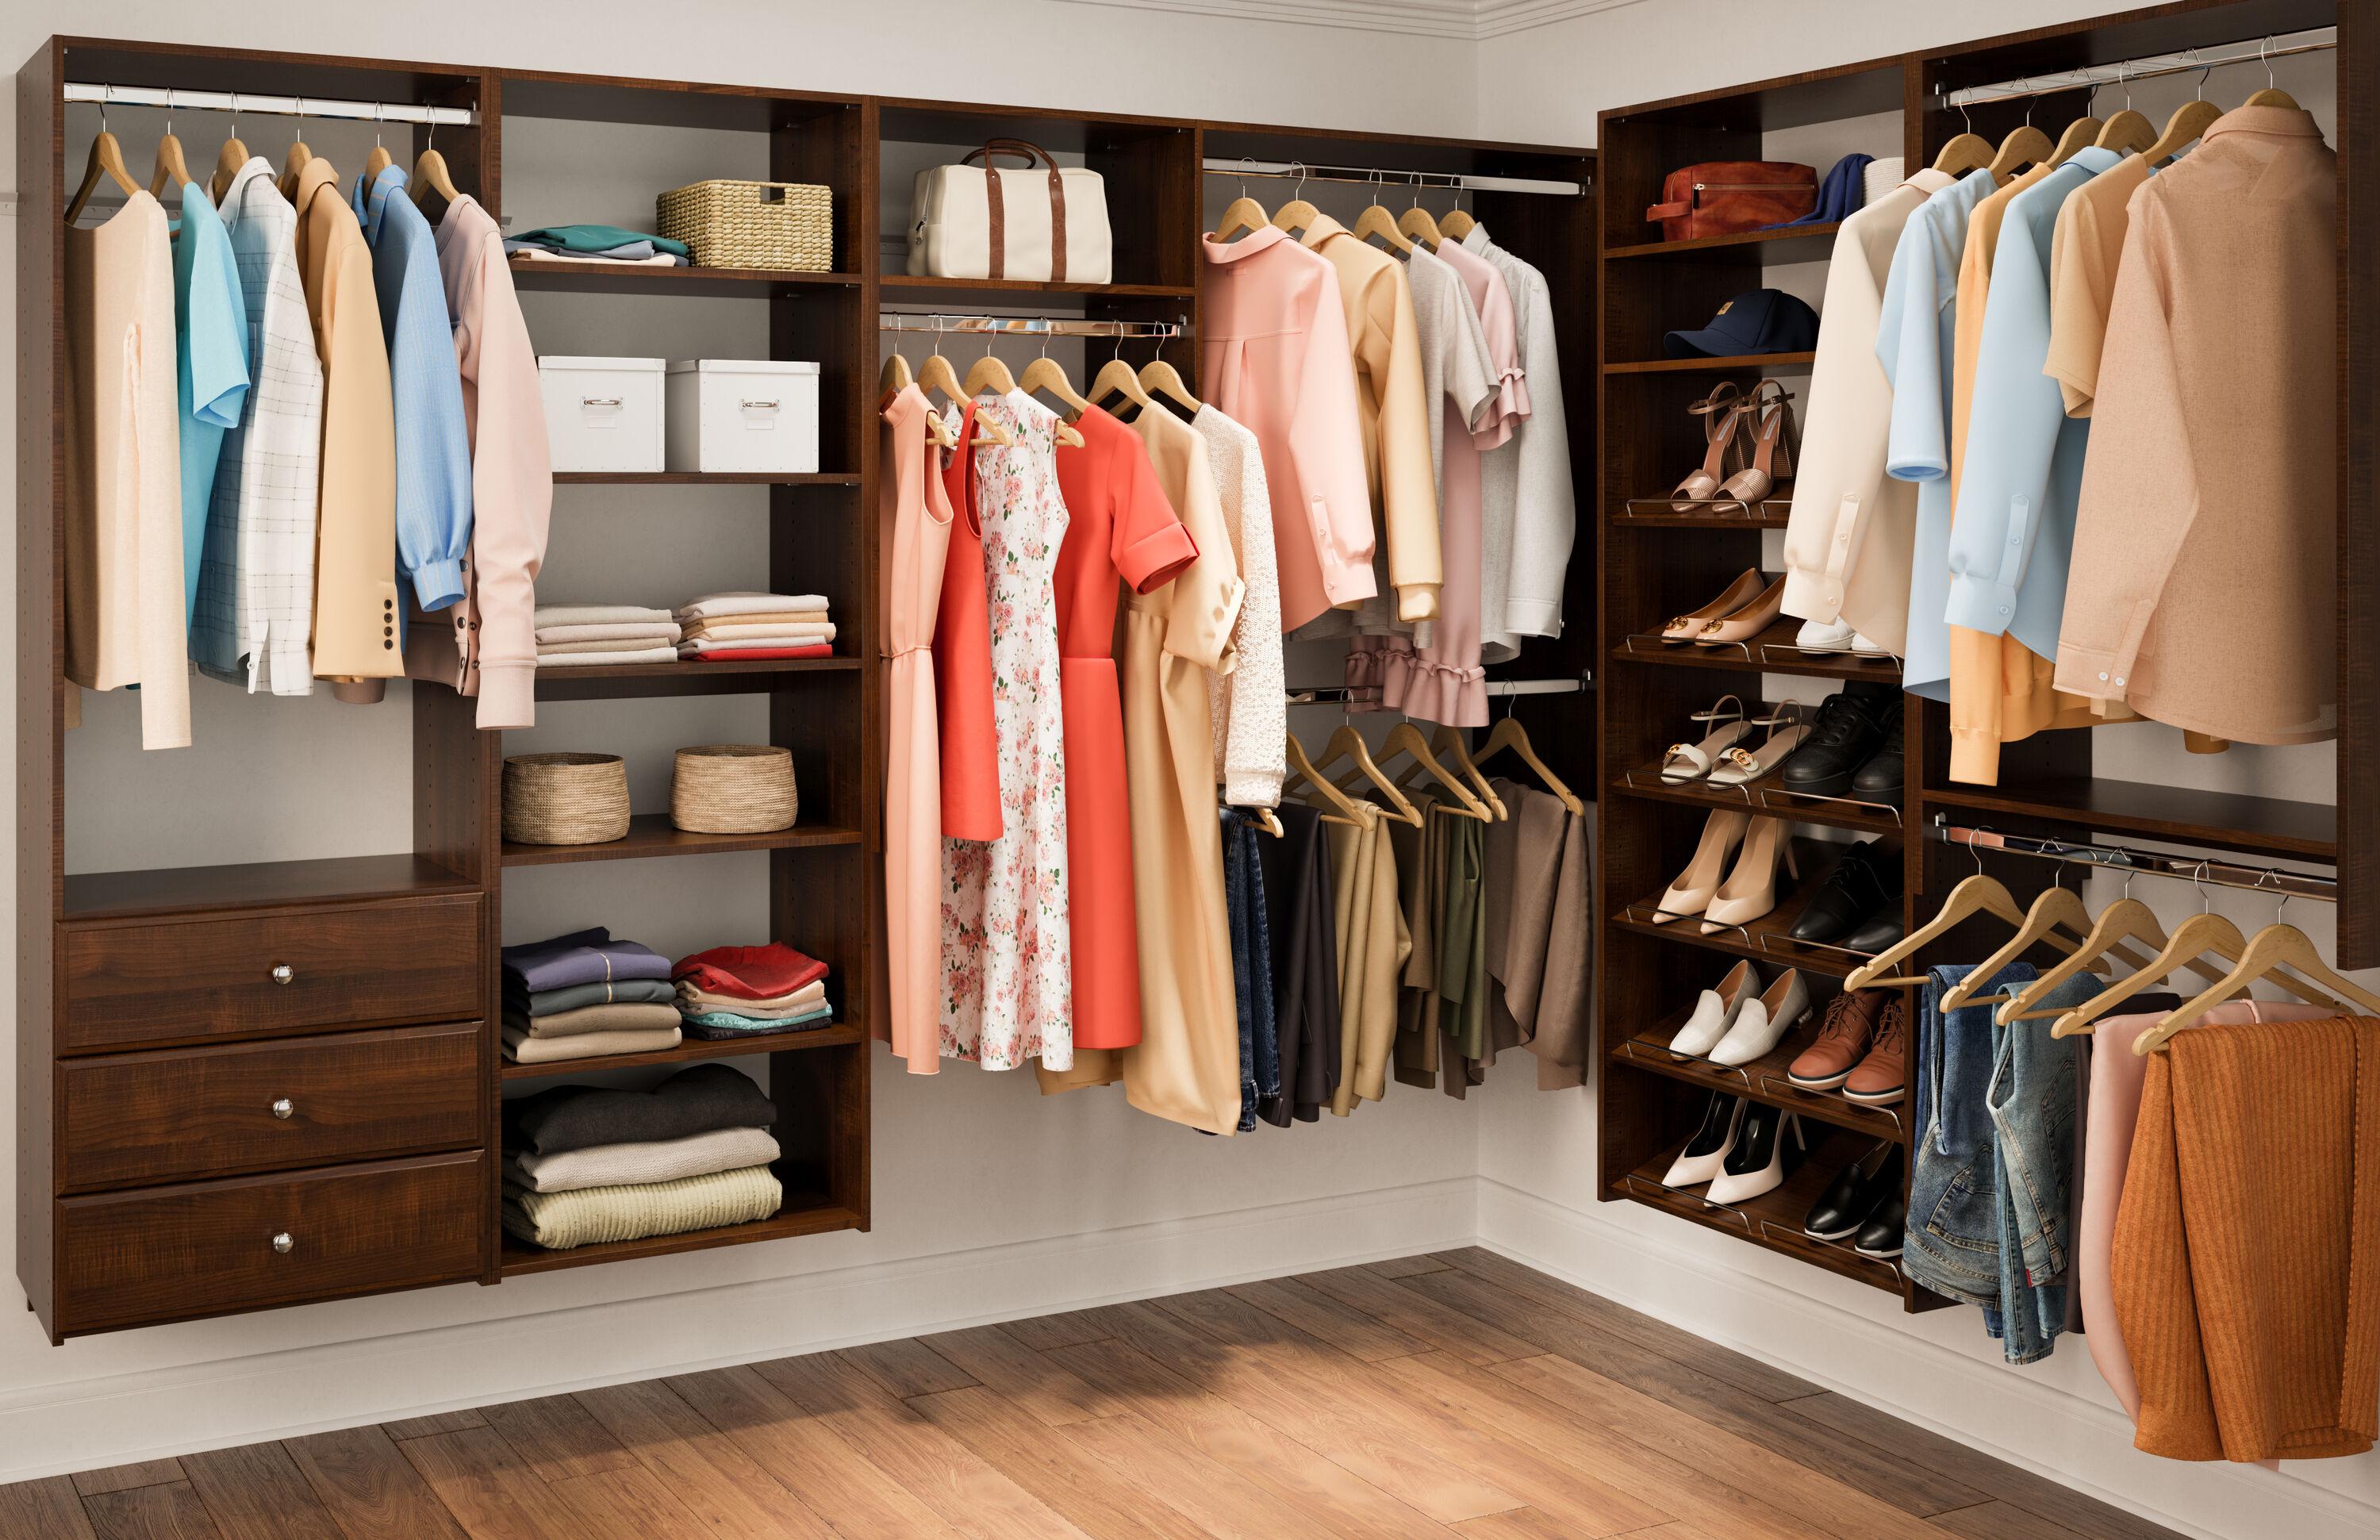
{"type": "Point", "coordinates": [210, 338]}
{"type": "Point", "coordinates": [1913, 342]}
{"type": "Point", "coordinates": [434, 446]}
{"type": "Point", "coordinates": [2012, 534]}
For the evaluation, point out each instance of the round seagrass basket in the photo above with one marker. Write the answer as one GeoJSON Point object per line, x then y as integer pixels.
{"type": "Point", "coordinates": [566, 799]}
{"type": "Point", "coordinates": [733, 789]}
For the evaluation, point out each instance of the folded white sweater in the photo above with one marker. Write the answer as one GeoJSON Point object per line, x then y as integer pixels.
{"type": "Point", "coordinates": [594, 614]}
{"type": "Point", "coordinates": [590, 1215]}
{"type": "Point", "coordinates": [663, 652]}
{"type": "Point", "coordinates": [713, 606]}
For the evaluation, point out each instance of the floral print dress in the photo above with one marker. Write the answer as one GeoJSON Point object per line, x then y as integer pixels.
{"type": "Point", "coordinates": [1007, 995]}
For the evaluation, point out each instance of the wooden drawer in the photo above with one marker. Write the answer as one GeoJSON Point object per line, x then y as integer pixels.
{"type": "Point", "coordinates": [271, 975]}
{"type": "Point", "coordinates": [210, 1248]}
{"type": "Point", "coordinates": [184, 1114]}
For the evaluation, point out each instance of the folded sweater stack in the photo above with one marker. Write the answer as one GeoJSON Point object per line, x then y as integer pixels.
{"type": "Point", "coordinates": [751, 992]}
{"type": "Point", "coordinates": [727, 625]}
{"type": "Point", "coordinates": [582, 636]}
{"type": "Point", "coordinates": [587, 996]}
{"type": "Point", "coordinates": [598, 243]}
{"type": "Point", "coordinates": [584, 1165]}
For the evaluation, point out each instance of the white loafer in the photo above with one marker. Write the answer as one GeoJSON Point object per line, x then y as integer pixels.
{"type": "Point", "coordinates": [1824, 635]}
{"type": "Point", "coordinates": [1715, 1011]}
{"type": "Point", "coordinates": [1764, 1023]}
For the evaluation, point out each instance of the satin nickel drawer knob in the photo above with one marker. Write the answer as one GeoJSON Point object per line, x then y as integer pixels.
{"type": "Point", "coordinates": [284, 1243]}
{"type": "Point", "coordinates": [284, 1107]}
{"type": "Point", "coordinates": [282, 973]}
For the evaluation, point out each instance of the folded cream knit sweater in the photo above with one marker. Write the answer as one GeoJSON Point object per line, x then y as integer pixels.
{"type": "Point", "coordinates": [590, 1215]}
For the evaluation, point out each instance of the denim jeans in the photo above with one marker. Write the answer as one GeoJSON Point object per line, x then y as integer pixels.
{"type": "Point", "coordinates": [1244, 901]}
{"type": "Point", "coordinates": [1992, 1160]}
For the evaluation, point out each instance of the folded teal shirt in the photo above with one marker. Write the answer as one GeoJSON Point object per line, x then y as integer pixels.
{"type": "Point", "coordinates": [594, 237]}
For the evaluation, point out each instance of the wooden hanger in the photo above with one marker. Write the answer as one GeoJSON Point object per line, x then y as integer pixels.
{"type": "Point", "coordinates": [936, 374]}
{"type": "Point", "coordinates": [2189, 121]}
{"type": "Point", "coordinates": [988, 373]}
{"type": "Point", "coordinates": [1510, 733]}
{"type": "Point", "coordinates": [1301, 770]}
{"type": "Point", "coordinates": [430, 173]}
{"type": "Point", "coordinates": [1117, 378]}
{"type": "Point", "coordinates": [2126, 919]}
{"type": "Point", "coordinates": [1965, 153]}
{"type": "Point", "coordinates": [2126, 131]}
{"type": "Point", "coordinates": [1449, 742]}
{"type": "Point", "coordinates": [1046, 373]}
{"type": "Point", "coordinates": [1405, 739]}
{"type": "Point", "coordinates": [2027, 146]}
{"type": "Point", "coordinates": [2201, 934]}
{"type": "Point", "coordinates": [1376, 221]}
{"type": "Point", "coordinates": [230, 158]}
{"type": "Point", "coordinates": [106, 160]}
{"type": "Point", "coordinates": [2054, 909]}
{"type": "Point", "coordinates": [380, 160]}
{"type": "Point", "coordinates": [894, 378]}
{"type": "Point", "coordinates": [2272, 95]}
{"type": "Point", "coordinates": [1159, 377]}
{"type": "Point", "coordinates": [1297, 214]}
{"type": "Point", "coordinates": [1979, 894]}
{"type": "Point", "coordinates": [2081, 134]}
{"type": "Point", "coordinates": [173, 173]}
{"type": "Point", "coordinates": [299, 153]}
{"type": "Point", "coordinates": [1348, 743]}
{"type": "Point", "coordinates": [1244, 215]}
{"type": "Point", "coordinates": [1458, 221]}
{"type": "Point", "coordinates": [1416, 223]}
{"type": "Point", "coordinates": [1268, 821]}
{"type": "Point", "coordinates": [2276, 946]}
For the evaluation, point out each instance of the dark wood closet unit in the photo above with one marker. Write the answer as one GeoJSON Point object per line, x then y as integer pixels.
{"type": "Point", "coordinates": [166, 1018]}
{"type": "Point", "coordinates": [1656, 564]}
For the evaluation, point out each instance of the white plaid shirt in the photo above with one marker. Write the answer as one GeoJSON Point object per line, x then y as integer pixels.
{"type": "Point", "coordinates": [256, 576]}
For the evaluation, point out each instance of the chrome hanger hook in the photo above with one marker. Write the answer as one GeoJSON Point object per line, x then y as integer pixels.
{"type": "Point", "coordinates": [234, 114]}
{"type": "Point", "coordinates": [1972, 851]}
{"type": "Point", "coordinates": [2197, 881]}
{"type": "Point", "coordinates": [2027, 84]}
{"type": "Point", "coordinates": [1298, 167]}
{"type": "Point", "coordinates": [169, 111]}
{"type": "Point", "coordinates": [2264, 54]}
{"type": "Point", "coordinates": [106, 94]}
{"type": "Point", "coordinates": [1247, 169]}
{"type": "Point", "coordinates": [2202, 75]}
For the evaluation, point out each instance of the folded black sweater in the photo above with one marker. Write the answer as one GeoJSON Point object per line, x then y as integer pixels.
{"type": "Point", "coordinates": [695, 1100]}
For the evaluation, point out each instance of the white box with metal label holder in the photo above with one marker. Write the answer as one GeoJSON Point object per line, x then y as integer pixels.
{"type": "Point", "coordinates": [743, 415]}
{"type": "Point", "coordinates": [602, 414]}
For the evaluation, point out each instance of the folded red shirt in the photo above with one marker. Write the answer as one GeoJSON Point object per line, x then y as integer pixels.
{"type": "Point", "coordinates": [824, 649]}
{"type": "Point", "coordinates": [749, 973]}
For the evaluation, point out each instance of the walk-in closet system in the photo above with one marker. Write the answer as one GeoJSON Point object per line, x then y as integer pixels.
{"type": "Point", "coordinates": [1656, 563]}
{"type": "Point", "coordinates": [164, 1014]}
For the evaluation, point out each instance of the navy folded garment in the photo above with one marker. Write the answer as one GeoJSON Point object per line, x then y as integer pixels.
{"type": "Point", "coordinates": [581, 957]}
{"type": "Point", "coordinates": [1839, 196]}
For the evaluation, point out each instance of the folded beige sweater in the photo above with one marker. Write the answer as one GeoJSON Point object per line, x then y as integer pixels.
{"type": "Point", "coordinates": [522, 1048]}
{"type": "Point", "coordinates": [590, 1215]}
{"type": "Point", "coordinates": [694, 1001]}
{"type": "Point", "coordinates": [612, 1016]}
{"type": "Point", "coordinates": [805, 630]}
{"type": "Point", "coordinates": [722, 1149]}
{"type": "Point", "coordinates": [713, 606]}
{"type": "Point", "coordinates": [790, 617]}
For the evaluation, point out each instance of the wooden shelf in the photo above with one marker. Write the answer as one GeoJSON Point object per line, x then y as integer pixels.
{"type": "Point", "coordinates": [1742, 363]}
{"type": "Point", "coordinates": [1764, 1080]}
{"type": "Point", "coordinates": [1801, 243]}
{"type": "Point", "coordinates": [834, 1034]}
{"type": "Point", "coordinates": [2263, 825]}
{"type": "Point", "coordinates": [1772, 652]}
{"type": "Point", "coordinates": [630, 278]}
{"type": "Point", "coordinates": [705, 478]}
{"type": "Point", "coordinates": [256, 885]}
{"type": "Point", "coordinates": [616, 681]}
{"type": "Point", "coordinates": [804, 1214]}
{"type": "Point", "coordinates": [651, 834]}
{"type": "Point", "coordinates": [1773, 513]}
{"type": "Point", "coordinates": [1825, 811]}
{"type": "Point", "coordinates": [1765, 939]}
{"type": "Point", "coordinates": [1773, 1220]}
{"type": "Point", "coordinates": [903, 280]}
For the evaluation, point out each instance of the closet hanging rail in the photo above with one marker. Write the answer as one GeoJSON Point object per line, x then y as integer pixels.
{"type": "Point", "coordinates": [1451, 181]}
{"type": "Point", "coordinates": [2316, 40]}
{"type": "Point", "coordinates": [1324, 695]}
{"type": "Point", "coordinates": [240, 102]}
{"type": "Point", "coordinates": [2132, 861]}
{"type": "Point", "coordinates": [1024, 326]}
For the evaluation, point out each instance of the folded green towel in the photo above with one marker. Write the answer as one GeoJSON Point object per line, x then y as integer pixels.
{"type": "Point", "coordinates": [596, 238]}
{"type": "Point", "coordinates": [728, 1021]}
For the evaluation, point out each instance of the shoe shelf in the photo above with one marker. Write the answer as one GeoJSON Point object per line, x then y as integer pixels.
{"type": "Point", "coordinates": [1773, 512]}
{"type": "Point", "coordinates": [1772, 652]}
{"type": "Point", "coordinates": [1763, 796]}
{"type": "Point", "coordinates": [1765, 939]}
{"type": "Point", "coordinates": [1772, 1220]}
{"type": "Point", "coordinates": [1763, 1080]}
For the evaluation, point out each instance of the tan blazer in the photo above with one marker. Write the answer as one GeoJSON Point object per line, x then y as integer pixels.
{"type": "Point", "coordinates": [356, 609]}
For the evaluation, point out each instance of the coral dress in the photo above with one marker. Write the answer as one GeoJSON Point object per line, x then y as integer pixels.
{"type": "Point", "coordinates": [963, 657]}
{"type": "Point", "coordinates": [912, 543]}
{"type": "Point", "coordinates": [1007, 994]}
{"type": "Point", "coordinates": [1118, 525]}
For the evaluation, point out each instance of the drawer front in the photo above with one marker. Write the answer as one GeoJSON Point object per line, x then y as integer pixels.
{"type": "Point", "coordinates": [185, 1113]}
{"type": "Point", "coordinates": [265, 975]}
{"type": "Point", "coordinates": [250, 1242]}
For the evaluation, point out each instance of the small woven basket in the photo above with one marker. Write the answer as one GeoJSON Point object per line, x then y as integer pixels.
{"type": "Point", "coordinates": [566, 799]}
{"type": "Point", "coordinates": [733, 789]}
{"type": "Point", "coordinates": [783, 227]}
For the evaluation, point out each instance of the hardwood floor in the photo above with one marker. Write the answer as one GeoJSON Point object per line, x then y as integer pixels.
{"type": "Point", "coordinates": [1456, 1395]}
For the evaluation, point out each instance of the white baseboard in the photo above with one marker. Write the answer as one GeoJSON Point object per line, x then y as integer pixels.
{"type": "Point", "coordinates": [1872, 1359]}
{"type": "Point", "coordinates": [87, 1424]}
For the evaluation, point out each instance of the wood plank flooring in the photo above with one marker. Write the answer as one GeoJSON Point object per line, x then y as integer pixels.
{"type": "Point", "coordinates": [1457, 1396]}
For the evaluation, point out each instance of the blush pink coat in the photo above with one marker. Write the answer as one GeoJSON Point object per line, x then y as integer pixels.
{"type": "Point", "coordinates": [1275, 358]}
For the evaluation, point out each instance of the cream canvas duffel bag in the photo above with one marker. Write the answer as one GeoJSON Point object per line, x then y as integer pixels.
{"type": "Point", "coordinates": [1042, 222]}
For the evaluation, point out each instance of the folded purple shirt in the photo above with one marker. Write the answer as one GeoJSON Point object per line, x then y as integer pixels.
{"type": "Point", "coordinates": [583, 957]}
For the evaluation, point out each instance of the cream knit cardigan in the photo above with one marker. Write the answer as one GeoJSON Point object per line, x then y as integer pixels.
{"type": "Point", "coordinates": [1248, 706]}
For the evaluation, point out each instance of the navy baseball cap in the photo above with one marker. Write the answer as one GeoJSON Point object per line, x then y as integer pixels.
{"type": "Point", "coordinates": [1766, 320]}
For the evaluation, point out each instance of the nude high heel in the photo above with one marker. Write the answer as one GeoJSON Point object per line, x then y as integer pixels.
{"type": "Point", "coordinates": [1690, 893]}
{"type": "Point", "coordinates": [1723, 447]}
{"type": "Point", "coordinates": [1756, 615]}
{"type": "Point", "coordinates": [1768, 412]}
{"type": "Point", "coordinates": [1749, 890]}
{"type": "Point", "coordinates": [1744, 590]}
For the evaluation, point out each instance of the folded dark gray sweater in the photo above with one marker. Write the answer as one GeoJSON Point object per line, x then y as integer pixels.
{"type": "Point", "coordinates": [695, 1100]}
{"type": "Point", "coordinates": [616, 991]}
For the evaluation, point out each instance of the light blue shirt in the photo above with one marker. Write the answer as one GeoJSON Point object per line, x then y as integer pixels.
{"type": "Point", "coordinates": [210, 356]}
{"type": "Point", "coordinates": [2012, 534]}
{"type": "Point", "coordinates": [1914, 342]}
{"type": "Point", "coordinates": [433, 445]}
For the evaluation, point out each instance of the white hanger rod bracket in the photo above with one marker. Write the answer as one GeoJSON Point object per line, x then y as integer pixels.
{"type": "Point", "coordinates": [2317, 40]}
{"type": "Point", "coordinates": [242, 104]}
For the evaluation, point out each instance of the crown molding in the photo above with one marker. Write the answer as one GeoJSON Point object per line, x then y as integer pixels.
{"type": "Point", "coordinates": [1468, 19]}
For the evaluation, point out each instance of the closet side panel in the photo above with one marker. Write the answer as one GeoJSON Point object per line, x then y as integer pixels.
{"type": "Point", "coordinates": [2359, 543]}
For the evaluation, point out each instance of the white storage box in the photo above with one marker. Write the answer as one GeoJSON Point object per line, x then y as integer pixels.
{"type": "Point", "coordinates": [602, 414]}
{"type": "Point", "coordinates": [743, 415]}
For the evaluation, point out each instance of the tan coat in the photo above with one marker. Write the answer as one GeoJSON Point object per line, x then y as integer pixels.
{"type": "Point", "coordinates": [357, 609]}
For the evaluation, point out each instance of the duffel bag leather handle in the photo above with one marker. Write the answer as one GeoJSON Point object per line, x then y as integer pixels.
{"type": "Point", "coordinates": [1031, 154]}
{"type": "Point", "coordinates": [1668, 211]}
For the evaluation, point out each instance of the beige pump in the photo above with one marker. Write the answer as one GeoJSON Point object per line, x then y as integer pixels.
{"type": "Point", "coordinates": [1690, 893]}
{"type": "Point", "coordinates": [1749, 890]}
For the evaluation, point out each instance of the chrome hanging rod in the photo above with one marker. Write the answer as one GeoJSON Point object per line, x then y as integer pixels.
{"type": "Point", "coordinates": [2317, 40]}
{"type": "Point", "coordinates": [2126, 861]}
{"type": "Point", "coordinates": [1024, 326]}
{"type": "Point", "coordinates": [239, 102]}
{"type": "Point", "coordinates": [1325, 694]}
{"type": "Point", "coordinates": [1451, 181]}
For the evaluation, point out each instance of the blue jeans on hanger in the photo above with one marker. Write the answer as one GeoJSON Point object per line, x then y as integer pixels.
{"type": "Point", "coordinates": [1244, 902]}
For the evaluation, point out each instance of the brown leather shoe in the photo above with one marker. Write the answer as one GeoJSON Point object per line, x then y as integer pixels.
{"type": "Point", "coordinates": [1844, 1039]}
{"type": "Point", "coordinates": [1884, 1074]}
